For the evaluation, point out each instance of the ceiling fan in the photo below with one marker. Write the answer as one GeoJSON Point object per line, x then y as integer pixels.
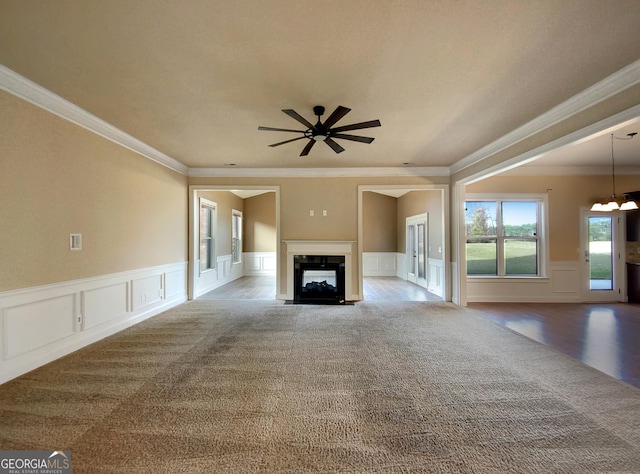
{"type": "Point", "coordinates": [323, 132]}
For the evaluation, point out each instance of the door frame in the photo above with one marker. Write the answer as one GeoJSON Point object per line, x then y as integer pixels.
{"type": "Point", "coordinates": [414, 277]}
{"type": "Point", "coordinates": [618, 293]}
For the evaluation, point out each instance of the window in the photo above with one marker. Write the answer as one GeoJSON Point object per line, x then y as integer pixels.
{"type": "Point", "coordinates": [504, 237]}
{"type": "Point", "coordinates": [207, 235]}
{"type": "Point", "coordinates": [236, 236]}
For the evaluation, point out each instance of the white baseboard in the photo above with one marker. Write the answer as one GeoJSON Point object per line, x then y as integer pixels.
{"type": "Point", "coordinates": [44, 323]}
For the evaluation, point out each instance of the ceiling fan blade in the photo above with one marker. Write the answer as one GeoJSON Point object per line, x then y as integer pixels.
{"type": "Point", "coordinates": [336, 115]}
{"type": "Point", "coordinates": [357, 126]}
{"type": "Point", "coordinates": [287, 141]}
{"type": "Point", "coordinates": [307, 149]}
{"type": "Point", "coordinates": [334, 146]}
{"type": "Point", "coordinates": [295, 115]}
{"type": "Point", "coordinates": [353, 138]}
{"type": "Point", "coordinates": [280, 129]}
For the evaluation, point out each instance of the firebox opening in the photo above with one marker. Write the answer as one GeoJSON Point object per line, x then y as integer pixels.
{"type": "Point", "coordinates": [319, 279]}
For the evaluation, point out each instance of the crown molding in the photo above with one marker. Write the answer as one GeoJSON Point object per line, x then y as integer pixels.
{"type": "Point", "coordinates": [571, 171]}
{"type": "Point", "coordinates": [317, 172]}
{"type": "Point", "coordinates": [21, 87]}
{"type": "Point", "coordinates": [603, 126]}
{"type": "Point", "coordinates": [608, 87]}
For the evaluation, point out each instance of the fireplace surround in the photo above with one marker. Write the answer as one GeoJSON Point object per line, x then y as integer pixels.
{"type": "Point", "coordinates": [341, 249]}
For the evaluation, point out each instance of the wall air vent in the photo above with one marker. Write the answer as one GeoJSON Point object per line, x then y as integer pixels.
{"type": "Point", "coordinates": [75, 241]}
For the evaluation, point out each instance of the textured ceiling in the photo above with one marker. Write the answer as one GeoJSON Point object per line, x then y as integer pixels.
{"type": "Point", "coordinates": [195, 79]}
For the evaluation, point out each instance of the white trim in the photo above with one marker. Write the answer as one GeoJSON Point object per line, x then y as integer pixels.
{"type": "Point", "coordinates": [40, 324]}
{"type": "Point", "coordinates": [603, 126]}
{"type": "Point", "coordinates": [21, 87]}
{"type": "Point", "coordinates": [571, 171]}
{"type": "Point", "coordinates": [614, 84]}
{"type": "Point", "coordinates": [317, 172]}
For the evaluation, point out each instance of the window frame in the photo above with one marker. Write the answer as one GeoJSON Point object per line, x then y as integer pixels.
{"type": "Point", "coordinates": [236, 242]}
{"type": "Point", "coordinates": [210, 235]}
{"type": "Point", "coordinates": [541, 238]}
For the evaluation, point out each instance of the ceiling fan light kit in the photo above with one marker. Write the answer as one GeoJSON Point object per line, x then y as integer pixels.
{"type": "Point", "coordinates": [615, 202]}
{"type": "Point", "coordinates": [323, 132]}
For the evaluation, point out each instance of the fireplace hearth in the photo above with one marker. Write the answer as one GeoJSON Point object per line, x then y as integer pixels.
{"type": "Point", "coordinates": [319, 279]}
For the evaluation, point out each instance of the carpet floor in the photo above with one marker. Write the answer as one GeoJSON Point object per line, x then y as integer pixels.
{"type": "Point", "coordinates": [260, 386]}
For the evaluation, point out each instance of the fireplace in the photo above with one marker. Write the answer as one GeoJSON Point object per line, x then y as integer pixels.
{"type": "Point", "coordinates": [318, 279]}
{"type": "Point", "coordinates": [337, 255]}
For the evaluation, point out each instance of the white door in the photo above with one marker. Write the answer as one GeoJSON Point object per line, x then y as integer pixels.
{"type": "Point", "coordinates": [417, 255]}
{"type": "Point", "coordinates": [602, 256]}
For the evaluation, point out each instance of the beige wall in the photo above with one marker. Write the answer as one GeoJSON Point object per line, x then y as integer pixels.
{"type": "Point", "coordinates": [259, 219]}
{"type": "Point", "coordinates": [420, 202]}
{"type": "Point", "coordinates": [566, 196]}
{"type": "Point", "coordinates": [379, 217]}
{"type": "Point", "coordinates": [226, 203]}
{"type": "Point", "coordinates": [57, 178]}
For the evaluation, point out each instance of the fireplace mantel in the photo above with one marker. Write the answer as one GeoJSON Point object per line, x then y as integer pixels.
{"type": "Point", "coordinates": [319, 247]}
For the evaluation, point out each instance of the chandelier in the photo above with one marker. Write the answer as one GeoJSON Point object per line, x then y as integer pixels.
{"type": "Point", "coordinates": [615, 202]}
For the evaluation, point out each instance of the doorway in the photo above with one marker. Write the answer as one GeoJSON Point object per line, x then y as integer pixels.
{"type": "Point", "coordinates": [602, 262]}
{"type": "Point", "coordinates": [255, 212]}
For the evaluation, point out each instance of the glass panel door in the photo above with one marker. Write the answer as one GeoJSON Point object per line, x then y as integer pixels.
{"type": "Point", "coordinates": [600, 253]}
{"type": "Point", "coordinates": [411, 253]}
{"type": "Point", "coordinates": [603, 272]}
{"type": "Point", "coordinates": [422, 261]}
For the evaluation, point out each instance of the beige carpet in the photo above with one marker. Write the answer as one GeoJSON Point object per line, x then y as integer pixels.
{"type": "Point", "coordinates": [259, 386]}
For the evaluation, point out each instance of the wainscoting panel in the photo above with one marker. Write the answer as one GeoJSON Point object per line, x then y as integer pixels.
{"type": "Point", "coordinates": [174, 283]}
{"type": "Point", "coordinates": [562, 286]}
{"type": "Point", "coordinates": [34, 325]}
{"type": "Point", "coordinates": [103, 304]}
{"type": "Point", "coordinates": [435, 268]}
{"type": "Point", "coordinates": [379, 264]}
{"type": "Point", "coordinates": [259, 263]}
{"type": "Point", "coordinates": [146, 291]}
{"type": "Point", "coordinates": [44, 323]}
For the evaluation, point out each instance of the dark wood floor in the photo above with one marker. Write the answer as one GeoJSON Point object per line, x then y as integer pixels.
{"type": "Point", "coordinates": [604, 336]}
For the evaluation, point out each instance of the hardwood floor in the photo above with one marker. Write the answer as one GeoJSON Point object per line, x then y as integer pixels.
{"type": "Point", "coordinates": [375, 288]}
{"type": "Point", "coordinates": [604, 336]}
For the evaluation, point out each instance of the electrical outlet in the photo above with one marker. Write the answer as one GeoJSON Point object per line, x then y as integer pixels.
{"type": "Point", "coordinates": [79, 319]}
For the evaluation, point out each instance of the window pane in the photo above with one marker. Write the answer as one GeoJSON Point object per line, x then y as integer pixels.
{"type": "Point", "coordinates": [482, 257]}
{"type": "Point", "coordinates": [520, 219]}
{"type": "Point", "coordinates": [205, 222]}
{"type": "Point", "coordinates": [600, 253]}
{"type": "Point", "coordinates": [480, 218]}
{"type": "Point", "coordinates": [520, 257]}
